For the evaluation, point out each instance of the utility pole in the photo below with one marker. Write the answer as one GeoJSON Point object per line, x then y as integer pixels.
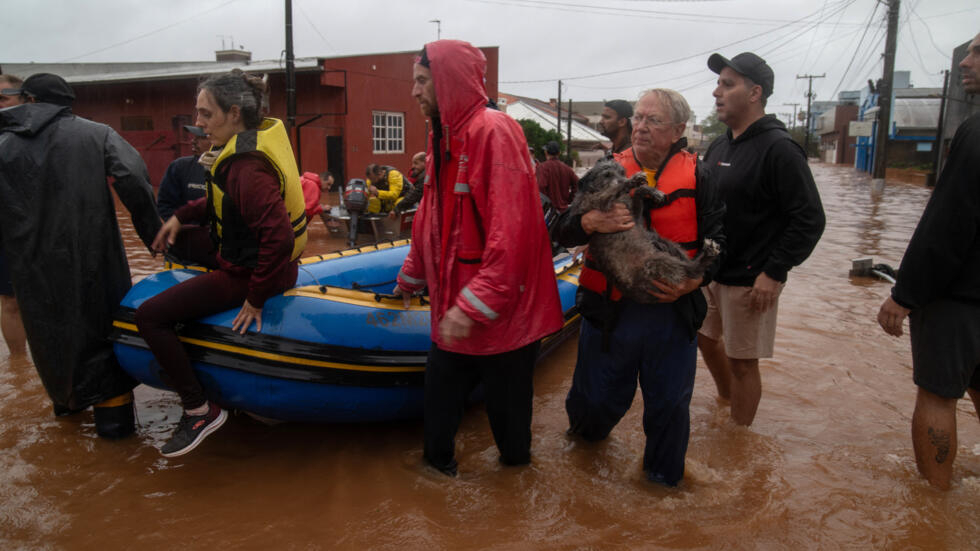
{"type": "Point", "coordinates": [290, 70]}
{"type": "Point", "coordinates": [559, 108]}
{"type": "Point", "coordinates": [438, 28]}
{"type": "Point", "coordinates": [568, 147]}
{"type": "Point", "coordinates": [885, 93]}
{"type": "Point", "coordinates": [809, 114]}
{"type": "Point", "coordinates": [793, 120]}
{"type": "Point", "coordinates": [938, 146]}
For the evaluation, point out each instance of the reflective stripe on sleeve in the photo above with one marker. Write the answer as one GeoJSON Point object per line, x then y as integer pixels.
{"type": "Point", "coordinates": [461, 187]}
{"type": "Point", "coordinates": [478, 304]}
{"type": "Point", "coordinates": [410, 280]}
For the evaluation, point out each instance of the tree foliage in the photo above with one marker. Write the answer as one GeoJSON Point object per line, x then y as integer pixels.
{"type": "Point", "coordinates": [537, 137]}
{"type": "Point", "coordinates": [711, 127]}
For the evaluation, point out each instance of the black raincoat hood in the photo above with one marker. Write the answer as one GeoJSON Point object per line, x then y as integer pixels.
{"type": "Point", "coordinates": [30, 119]}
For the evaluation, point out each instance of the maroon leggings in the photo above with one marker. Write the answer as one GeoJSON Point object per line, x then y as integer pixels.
{"type": "Point", "coordinates": [197, 297]}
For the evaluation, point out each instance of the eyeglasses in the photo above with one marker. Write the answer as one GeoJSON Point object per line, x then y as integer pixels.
{"type": "Point", "coordinates": [649, 120]}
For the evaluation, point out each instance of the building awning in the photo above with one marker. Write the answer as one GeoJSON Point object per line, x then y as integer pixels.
{"type": "Point", "coordinates": [97, 73]}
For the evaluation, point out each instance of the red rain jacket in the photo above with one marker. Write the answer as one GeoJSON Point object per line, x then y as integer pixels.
{"type": "Point", "coordinates": [479, 239]}
{"type": "Point", "coordinates": [311, 194]}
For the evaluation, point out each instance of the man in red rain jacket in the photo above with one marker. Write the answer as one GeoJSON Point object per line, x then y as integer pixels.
{"type": "Point", "coordinates": [480, 245]}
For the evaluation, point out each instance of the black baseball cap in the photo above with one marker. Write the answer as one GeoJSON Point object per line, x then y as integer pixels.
{"type": "Point", "coordinates": [552, 148]}
{"type": "Point", "coordinates": [46, 88]}
{"type": "Point", "coordinates": [748, 65]}
{"type": "Point", "coordinates": [621, 107]}
{"type": "Point", "coordinates": [195, 130]}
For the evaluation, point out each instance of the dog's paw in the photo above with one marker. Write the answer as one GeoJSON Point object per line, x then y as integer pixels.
{"type": "Point", "coordinates": [651, 195]}
{"type": "Point", "coordinates": [637, 180]}
{"type": "Point", "coordinates": [710, 248]}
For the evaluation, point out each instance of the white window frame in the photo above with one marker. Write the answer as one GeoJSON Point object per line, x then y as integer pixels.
{"type": "Point", "coordinates": [388, 132]}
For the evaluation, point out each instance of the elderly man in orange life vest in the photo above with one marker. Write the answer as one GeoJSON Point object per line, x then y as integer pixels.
{"type": "Point", "coordinates": [623, 341]}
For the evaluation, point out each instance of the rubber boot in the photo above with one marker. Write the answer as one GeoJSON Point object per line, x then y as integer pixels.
{"type": "Point", "coordinates": [116, 417]}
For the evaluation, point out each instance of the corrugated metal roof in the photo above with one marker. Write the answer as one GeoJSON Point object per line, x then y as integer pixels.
{"type": "Point", "coordinates": [93, 73]}
{"type": "Point", "coordinates": [918, 92]}
{"type": "Point", "coordinates": [916, 113]}
{"type": "Point", "coordinates": [580, 132]}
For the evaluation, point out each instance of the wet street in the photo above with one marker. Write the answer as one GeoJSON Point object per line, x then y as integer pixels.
{"type": "Point", "coordinates": [827, 464]}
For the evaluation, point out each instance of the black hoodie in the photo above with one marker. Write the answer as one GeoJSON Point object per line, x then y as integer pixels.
{"type": "Point", "coordinates": [774, 217]}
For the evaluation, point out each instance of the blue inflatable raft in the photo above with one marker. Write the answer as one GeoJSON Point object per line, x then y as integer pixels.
{"type": "Point", "coordinates": [335, 348]}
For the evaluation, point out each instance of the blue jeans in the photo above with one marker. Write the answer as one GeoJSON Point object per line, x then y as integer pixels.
{"type": "Point", "coordinates": [649, 344]}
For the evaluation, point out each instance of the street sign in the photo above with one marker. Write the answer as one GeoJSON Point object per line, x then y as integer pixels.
{"type": "Point", "coordinates": [859, 128]}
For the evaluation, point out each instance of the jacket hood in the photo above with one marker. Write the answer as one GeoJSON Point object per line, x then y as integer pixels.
{"type": "Point", "coordinates": [459, 73]}
{"type": "Point", "coordinates": [765, 124]}
{"type": "Point", "coordinates": [28, 119]}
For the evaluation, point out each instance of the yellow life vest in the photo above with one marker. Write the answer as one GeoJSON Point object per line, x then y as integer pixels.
{"type": "Point", "coordinates": [237, 245]}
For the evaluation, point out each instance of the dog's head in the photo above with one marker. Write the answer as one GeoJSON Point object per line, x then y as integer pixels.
{"type": "Point", "coordinates": [601, 176]}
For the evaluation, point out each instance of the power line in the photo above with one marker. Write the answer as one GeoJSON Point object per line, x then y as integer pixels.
{"type": "Point", "coordinates": [315, 29]}
{"type": "Point", "coordinates": [833, 31]}
{"type": "Point", "coordinates": [857, 49]}
{"type": "Point", "coordinates": [566, 7]}
{"type": "Point", "coordinates": [929, 32]}
{"type": "Point", "coordinates": [661, 81]}
{"type": "Point", "coordinates": [813, 36]}
{"type": "Point", "coordinates": [790, 36]}
{"type": "Point", "coordinates": [150, 33]}
{"type": "Point", "coordinates": [866, 71]}
{"type": "Point", "coordinates": [842, 5]}
{"type": "Point", "coordinates": [918, 54]}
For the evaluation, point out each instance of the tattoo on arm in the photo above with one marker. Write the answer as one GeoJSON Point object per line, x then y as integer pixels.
{"type": "Point", "coordinates": [941, 440]}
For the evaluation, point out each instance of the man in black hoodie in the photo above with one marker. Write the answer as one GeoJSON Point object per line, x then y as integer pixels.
{"type": "Point", "coordinates": [938, 289]}
{"type": "Point", "coordinates": [773, 221]}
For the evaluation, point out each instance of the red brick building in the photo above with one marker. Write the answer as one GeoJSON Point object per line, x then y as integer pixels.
{"type": "Point", "coordinates": [350, 111]}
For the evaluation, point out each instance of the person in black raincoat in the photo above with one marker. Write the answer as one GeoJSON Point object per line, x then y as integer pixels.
{"type": "Point", "coordinates": [66, 256]}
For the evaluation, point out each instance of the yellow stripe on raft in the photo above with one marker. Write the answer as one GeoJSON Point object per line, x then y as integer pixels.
{"type": "Point", "coordinates": [168, 265]}
{"type": "Point", "coordinates": [280, 357]}
{"type": "Point", "coordinates": [300, 361]}
{"type": "Point", "coordinates": [352, 252]}
{"type": "Point", "coordinates": [366, 298]}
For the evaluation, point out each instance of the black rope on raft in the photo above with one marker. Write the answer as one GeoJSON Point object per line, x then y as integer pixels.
{"type": "Point", "coordinates": [358, 286]}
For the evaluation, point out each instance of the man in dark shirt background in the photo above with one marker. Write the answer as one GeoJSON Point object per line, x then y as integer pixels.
{"type": "Point", "coordinates": [555, 178]}
{"type": "Point", "coordinates": [615, 124]}
{"type": "Point", "coordinates": [184, 180]}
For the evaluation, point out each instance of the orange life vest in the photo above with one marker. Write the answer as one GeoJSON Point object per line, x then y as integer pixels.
{"type": "Point", "coordinates": [677, 220]}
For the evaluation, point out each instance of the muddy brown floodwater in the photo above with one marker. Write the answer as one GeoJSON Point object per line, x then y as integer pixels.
{"type": "Point", "coordinates": [827, 465]}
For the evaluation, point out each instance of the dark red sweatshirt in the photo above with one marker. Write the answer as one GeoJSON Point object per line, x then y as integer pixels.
{"type": "Point", "coordinates": [253, 187]}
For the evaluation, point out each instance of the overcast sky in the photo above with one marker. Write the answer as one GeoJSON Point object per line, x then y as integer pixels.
{"type": "Point", "coordinates": [601, 49]}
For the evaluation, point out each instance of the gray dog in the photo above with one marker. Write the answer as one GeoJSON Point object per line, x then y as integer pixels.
{"type": "Point", "coordinates": [634, 258]}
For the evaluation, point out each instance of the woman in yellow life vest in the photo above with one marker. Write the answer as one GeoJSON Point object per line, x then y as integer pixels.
{"type": "Point", "coordinates": [256, 215]}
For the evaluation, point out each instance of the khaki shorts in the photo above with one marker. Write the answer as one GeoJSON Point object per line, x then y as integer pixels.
{"type": "Point", "coordinates": [748, 334]}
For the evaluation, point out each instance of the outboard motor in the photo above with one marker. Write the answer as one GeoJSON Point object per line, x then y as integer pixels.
{"type": "Point", "coordinates": [355, 201]}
